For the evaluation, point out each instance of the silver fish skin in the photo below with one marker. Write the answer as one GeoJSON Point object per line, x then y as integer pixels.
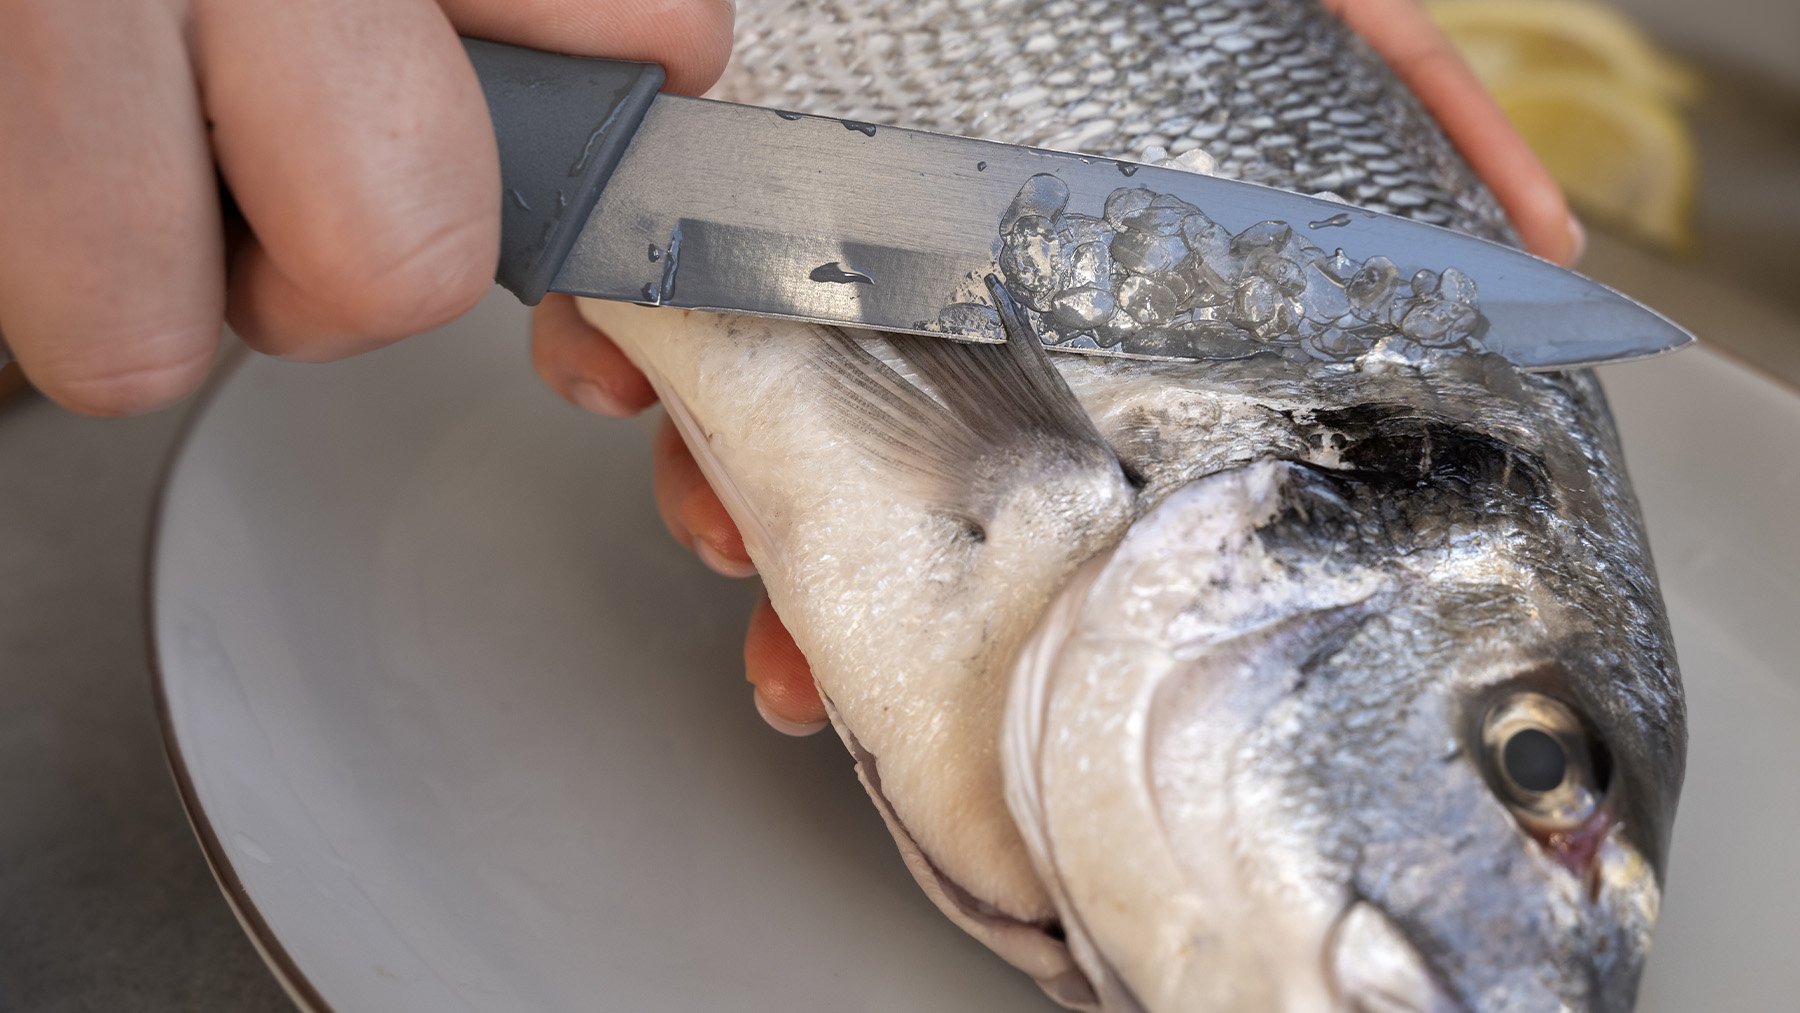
{"type": "Point", "coordinates": [1257, 684]}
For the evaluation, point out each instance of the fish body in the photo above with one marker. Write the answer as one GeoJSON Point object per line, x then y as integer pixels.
{"type": "Point", "coordinates": [1278, 682]}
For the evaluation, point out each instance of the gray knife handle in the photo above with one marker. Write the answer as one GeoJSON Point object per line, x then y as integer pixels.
{"type": "Point", "coordinates": [563, 123]}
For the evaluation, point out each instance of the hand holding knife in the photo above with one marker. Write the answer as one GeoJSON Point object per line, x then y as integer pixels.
{"type": "Point", "coordinates": [614, 190]}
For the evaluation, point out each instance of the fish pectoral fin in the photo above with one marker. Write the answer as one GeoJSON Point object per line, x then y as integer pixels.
{"type": "Point", "coordinates": [1010, 391]}
{"type": "Point", "coordinates": [978, 421]}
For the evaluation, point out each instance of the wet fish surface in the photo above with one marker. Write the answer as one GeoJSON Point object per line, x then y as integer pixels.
{"type": "Point", "coordinates": [1289, 681]}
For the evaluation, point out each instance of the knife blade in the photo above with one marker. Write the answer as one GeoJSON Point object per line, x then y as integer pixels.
{"type": "Point", "coordinates": [615, 191]}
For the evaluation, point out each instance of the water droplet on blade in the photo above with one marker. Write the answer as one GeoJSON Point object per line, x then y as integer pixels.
{"type": "Point", "coordinates": [837, 273]}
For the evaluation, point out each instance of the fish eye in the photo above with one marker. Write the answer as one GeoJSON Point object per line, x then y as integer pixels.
{"type": "Point", "coordinates": [1543, 762]}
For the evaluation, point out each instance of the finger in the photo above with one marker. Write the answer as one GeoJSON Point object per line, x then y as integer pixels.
{"type": "Point", "coordinates": [691, 39]}
{"type": "Point", "coordinates": [786, 696]}
{"type": "Point", "coordinates": [1403, 34]}
{"type": "Point", "coordinates": [692, 511]}
{"type": "Point", "coordinates": [356, 141]}
{"type": "Point", "coordinates": [110, 250]}
{"type": "Point", "coordinates": [582, 364]}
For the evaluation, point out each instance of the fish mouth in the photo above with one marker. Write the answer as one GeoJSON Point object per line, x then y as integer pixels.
{"type": "Point", "coordinates": [1372, 966]}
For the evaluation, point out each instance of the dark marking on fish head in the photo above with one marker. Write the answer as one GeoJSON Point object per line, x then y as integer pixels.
{"type": "Point", "coordinates": [1404, 446]}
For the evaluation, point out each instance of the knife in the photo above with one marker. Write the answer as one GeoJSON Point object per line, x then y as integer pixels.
{"type": "Point", "coordinates": [615, 191]}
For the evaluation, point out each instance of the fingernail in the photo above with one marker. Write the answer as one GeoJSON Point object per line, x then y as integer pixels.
{"type": "Point", "coordinates": [783, 725]}
{"type": "Point", "coordinates": [589, 397]}
{"type": "Point", "coordinates": [1577, 239]}
{"type": "Point", "coordinates": [720, 563]}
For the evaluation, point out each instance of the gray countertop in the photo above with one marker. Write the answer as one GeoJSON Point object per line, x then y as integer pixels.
{"type": "Point", "coordinates": [105, 900]}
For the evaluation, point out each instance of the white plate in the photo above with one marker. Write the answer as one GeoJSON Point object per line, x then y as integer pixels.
{"type": "Point", "coordinates": [461, 729]}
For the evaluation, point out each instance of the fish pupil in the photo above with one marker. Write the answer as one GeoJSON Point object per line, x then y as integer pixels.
{"type": "Point", "coordinates": [1535, 761]}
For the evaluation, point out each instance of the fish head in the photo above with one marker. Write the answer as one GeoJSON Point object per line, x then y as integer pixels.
{"type": "Point", "coordinates": [1314, 738]}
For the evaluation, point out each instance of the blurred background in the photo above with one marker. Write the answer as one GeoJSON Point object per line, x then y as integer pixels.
{"type": "Point", "coordinates": [1674, 126]}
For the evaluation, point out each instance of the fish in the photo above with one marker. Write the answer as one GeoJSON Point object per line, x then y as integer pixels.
{"type": "Point", "coordinates": [1280, 681]}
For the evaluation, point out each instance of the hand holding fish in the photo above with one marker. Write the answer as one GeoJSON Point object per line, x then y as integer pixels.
{"type": "Point", "coordinates": [1286, 682]}
{"type": "Point", "coordinates": [588, 369]}
{"type": "Point", "coordinates": [354, 139]}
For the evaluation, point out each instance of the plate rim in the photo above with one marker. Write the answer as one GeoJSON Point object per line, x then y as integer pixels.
{"type": "Point", "coordinates": [280, 963]}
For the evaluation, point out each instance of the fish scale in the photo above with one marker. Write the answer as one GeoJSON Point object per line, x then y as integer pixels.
{"type": "Point", "coordinates": [1229, 69]}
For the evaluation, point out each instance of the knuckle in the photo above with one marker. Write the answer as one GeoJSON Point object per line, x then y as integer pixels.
{"type": "Point", "coordinates": [400, 281]}
{"type": "Point", "coordinates": [132, 371]}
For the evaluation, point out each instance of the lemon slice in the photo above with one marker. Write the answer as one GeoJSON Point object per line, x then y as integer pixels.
{"type": "Point", "coordinates": [1623, 155]}
{"type": "Point", "coordinates": [1517, 38]}
{"type": "Point", "coordinates": [1597, 102]}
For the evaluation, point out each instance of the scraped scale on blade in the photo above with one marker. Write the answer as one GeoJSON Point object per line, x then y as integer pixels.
{"type": "Point", "coordinates": [1265, 614]}
{"type": "Point", "coordinates": [1148, 275]}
